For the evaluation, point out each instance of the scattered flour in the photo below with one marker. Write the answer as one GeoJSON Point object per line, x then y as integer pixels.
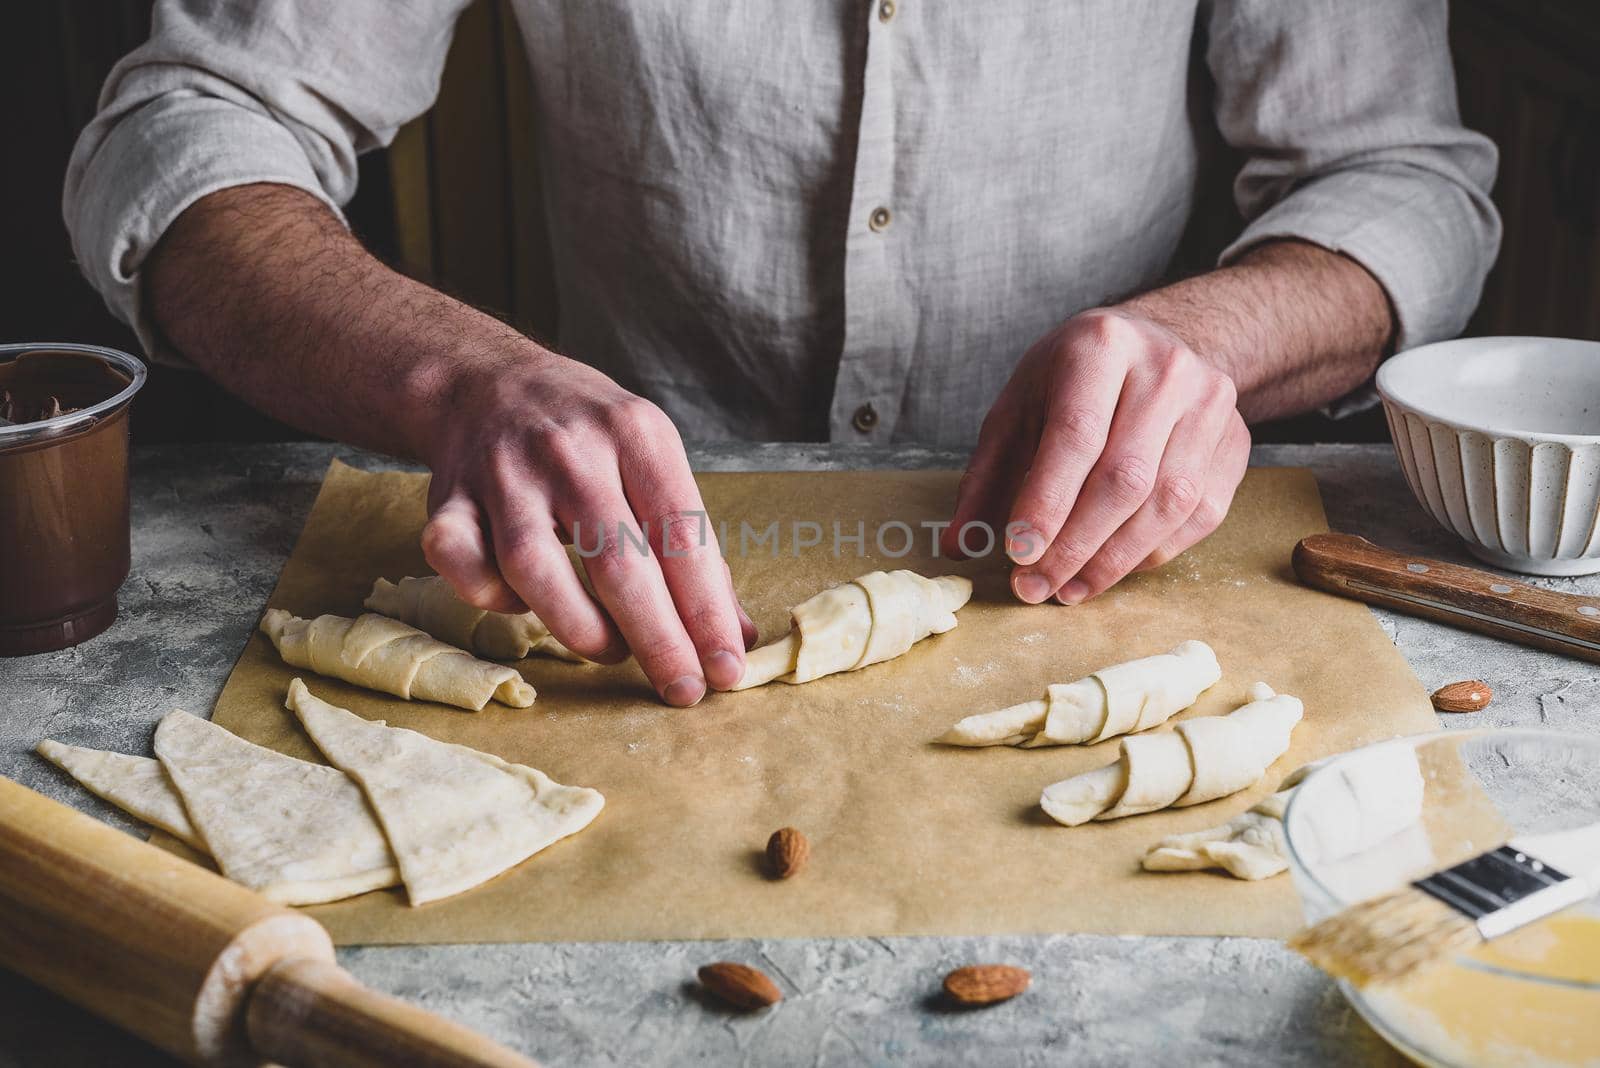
{"type": "Point", "coordinates": [968, 675]}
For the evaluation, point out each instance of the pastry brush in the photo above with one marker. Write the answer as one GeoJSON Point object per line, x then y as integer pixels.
{"type": "Point", "coordinates": [1457, 909]}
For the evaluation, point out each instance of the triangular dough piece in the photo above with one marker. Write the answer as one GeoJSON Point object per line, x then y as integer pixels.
{"type": "Point", "coordinates": [455, 817]}
{"type": "Point", "coordinates": [137, 785]}
{"type": "Point", "coordinates": [297, 832]}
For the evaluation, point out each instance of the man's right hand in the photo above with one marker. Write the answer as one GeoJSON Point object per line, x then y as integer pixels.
{"type": "Point", "coordinates": [262, 288]}
{"type": "Point", "coordinates": [543, 449]}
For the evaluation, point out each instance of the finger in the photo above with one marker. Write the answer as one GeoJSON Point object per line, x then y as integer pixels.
{"type": "Point", "coordinates": [454, 545]}
{"type": "Point", "coordinates": [1078, 420]}
{"type": "Point", "coordinates": [1117, 486]}
{"type": "Point", "coordinates": [747, 626]}
{"type": "Point", "coordinates": [662, 491]}
{"type": "Point", "coordinates": [1179, 489]}
{"type": "Point", "coordinates": [1226, 470]}
{"type": "Point", "coordinates": [990, 482]}
{"type": "Point", "coordinates": [533, 561]}
{"type": "Point", "coordinates": [629, 582]}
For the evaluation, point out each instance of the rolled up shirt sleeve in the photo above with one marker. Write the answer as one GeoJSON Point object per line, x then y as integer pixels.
{"type": "Point", "coordinates": [1346, 112]}
{"type": "Point", "coordinates": [231, 93]}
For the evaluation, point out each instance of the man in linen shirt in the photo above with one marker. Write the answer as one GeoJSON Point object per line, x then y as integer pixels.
{"type": "Point", "coordinates": [904, 220]}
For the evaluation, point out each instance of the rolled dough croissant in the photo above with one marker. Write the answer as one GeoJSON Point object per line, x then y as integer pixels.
{"type": "Point", "coordinates": [1198, 760]}
{"type": "Point", "coordinates": [430, 605]}
{"type": "Point", "coordinates": [868, 620]}
{"type": "Point", "coordinates": [386, 655]}
{"type": "Point", "coordinates": [1121, 699]}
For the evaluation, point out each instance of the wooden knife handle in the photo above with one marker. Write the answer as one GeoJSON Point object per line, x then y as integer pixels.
{"type": "Point", "coordinates": [1477, 600]}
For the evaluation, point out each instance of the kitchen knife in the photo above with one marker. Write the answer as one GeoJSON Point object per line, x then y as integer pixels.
{"type": "Point", "coordinates": [1466, 597]}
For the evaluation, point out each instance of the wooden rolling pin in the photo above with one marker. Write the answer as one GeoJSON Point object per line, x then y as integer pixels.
{"type": "Point", "coordinates": [1464, 596]}
{"type": "Point", "coordinates": [191, 962]}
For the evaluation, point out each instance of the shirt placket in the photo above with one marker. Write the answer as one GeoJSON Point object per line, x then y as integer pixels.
{"type": "Point", "coordinates": [873, 362]}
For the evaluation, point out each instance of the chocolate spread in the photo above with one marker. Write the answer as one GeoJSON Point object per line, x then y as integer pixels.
{"type": "Point", "coordinates": [64, 488]}
{"type": "Point", "coordinates": [42, 385]}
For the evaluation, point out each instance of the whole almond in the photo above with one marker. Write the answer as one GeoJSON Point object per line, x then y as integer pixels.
{"type": "Point", "coordinates": [740, 985]}
{"type": "Point", "coordinates": [1468, 695]}
{"type": "Point", "coordinates": [985, 984]}
{"type": "Point", "coordinates": [787, 852]}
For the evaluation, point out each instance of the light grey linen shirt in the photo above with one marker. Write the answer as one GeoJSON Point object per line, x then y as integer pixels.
{"type": "Point", "coordinates": [776, 218]}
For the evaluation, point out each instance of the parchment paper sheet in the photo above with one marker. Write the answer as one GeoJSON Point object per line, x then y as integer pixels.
{"type": "Point", "coordinates": [908, 837]}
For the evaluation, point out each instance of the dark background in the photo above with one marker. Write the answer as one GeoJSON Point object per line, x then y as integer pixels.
{"type": "Point", "coordinates": [455, 200]}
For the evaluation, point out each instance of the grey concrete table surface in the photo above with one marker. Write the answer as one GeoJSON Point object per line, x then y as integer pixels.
{"type": "Point", "coordinates": [212, 526]}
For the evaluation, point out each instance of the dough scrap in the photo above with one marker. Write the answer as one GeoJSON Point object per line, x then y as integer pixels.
{"type": "Point", "coordinates": [430, 605]}
{"type": "Point", "coordinates": [389, 656]}
{"type": "Point", "coordinates": [454, 816]}
{"type": "Point", "coordinates": [297, 832]}
{"type": "Point", "coordinates": [1199, 760]}
{"type": "Point", "coordinates": [868, 620]}
{"type": "Point", "coordinates": [1120, 699]}
{"type": "Point", "coordinates": [1374, 799]}
{"type": "Point", "coordinates": [137, 785]}
{"type": "Point", "coordinates": [1249, 846]}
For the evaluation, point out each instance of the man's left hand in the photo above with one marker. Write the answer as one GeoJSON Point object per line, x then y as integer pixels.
{"type": "Point", "coordinates": [1113, 448]}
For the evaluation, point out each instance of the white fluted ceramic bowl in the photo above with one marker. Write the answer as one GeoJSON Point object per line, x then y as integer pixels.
{"type": "Point", "coordinates": [1499, 438]}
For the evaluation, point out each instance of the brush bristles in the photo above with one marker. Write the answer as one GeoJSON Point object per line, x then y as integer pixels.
{"type": "Point", "coordinates": [1387, 938]}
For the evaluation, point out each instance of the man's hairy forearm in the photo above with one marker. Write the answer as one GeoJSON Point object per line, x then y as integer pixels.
{"type": "Point", "coordinates": [1294, 325]}
{"type": "Point", "coordinates": [261, 287]}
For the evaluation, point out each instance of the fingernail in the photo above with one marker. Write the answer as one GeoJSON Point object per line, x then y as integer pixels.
{"type": "Point", "coordinates": [723, 669]}
{"type": "Point", "coordinates": [685, 691]}
{"type": "Point", "coordinates": [1031, 588]}
{"type": "Point", "coordinates": [1073, 592]}
{"type": "Point", "coordinates": [1021, 543]}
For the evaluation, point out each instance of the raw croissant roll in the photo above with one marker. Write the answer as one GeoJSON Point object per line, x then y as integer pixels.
{"type": "Point", "coordinates": [1198, 760]}
{"type": "Point", "coordinates": [386, 655]}
{"type": "Point", "coordinates": [871, 619]}
{"type": "Point", "coordinates": [1121, 699]}
{"type": "Point", "coordinates": [430, 605]}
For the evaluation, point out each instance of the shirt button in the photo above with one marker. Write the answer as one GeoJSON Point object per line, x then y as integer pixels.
{"type": "Point", "coordinates": [879, 220]}
{"type": "Point", "coordinates": [886, 10]}
{"type": "Point", "coordinates": [865, 419]}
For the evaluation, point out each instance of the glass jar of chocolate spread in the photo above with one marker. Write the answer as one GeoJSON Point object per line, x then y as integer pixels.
{"type": "Point", "coordinates": [63, 491]}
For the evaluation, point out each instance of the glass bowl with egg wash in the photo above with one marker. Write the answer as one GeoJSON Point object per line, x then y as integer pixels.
{"type": "Point", "coordinates": [1529, 999]}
